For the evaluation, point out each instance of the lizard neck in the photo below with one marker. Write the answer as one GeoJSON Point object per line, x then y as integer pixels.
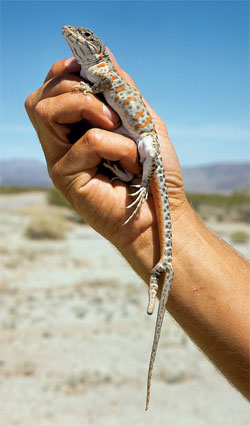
{"type": "Point", "coordinates": [90, 63]}
{"type": "Point", "coordinates": [94, 59]}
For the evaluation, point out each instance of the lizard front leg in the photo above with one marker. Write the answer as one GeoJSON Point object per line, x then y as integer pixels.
{"type": "Point", "coordinates": [119, 172]}
{"type": "Point", "coordinates": [103, 83]}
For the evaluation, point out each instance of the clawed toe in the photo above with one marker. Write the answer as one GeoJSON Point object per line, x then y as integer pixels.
{"type": "Point", "coordinates": [137, 200]}
{"type": "Point", "coordinates": [83, 87]}
{"type": "Point", "coordinates": [134, 193]}
{"type": "Point", "coordinates": [142, 196]}
{"type": "Point", "coordinates": [119, 172]}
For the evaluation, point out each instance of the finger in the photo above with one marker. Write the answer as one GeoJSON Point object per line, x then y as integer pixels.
{"type": "Point", "coordinates": [53, 87]}
{"type": "Point", "coordinates": [56, 86]}
{"type": "Point", "coordinates": [70, 108]}
{"type": "Point", "coordinates": [64, 84]}
{"type": "Point", "coordinates": [53, 115]}
{"type": "Point", "coordinates": [84, 156]}
{"type": "Point", "coordinates": [64, 66]}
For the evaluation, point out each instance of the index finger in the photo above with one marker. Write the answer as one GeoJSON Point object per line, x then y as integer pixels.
{"type": "Point", "coordinates": [64, 66]}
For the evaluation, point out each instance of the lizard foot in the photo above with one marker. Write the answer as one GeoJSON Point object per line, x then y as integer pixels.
{"type": "Point", "coordinates": [119, 172]}
{"type": "Point", "coordinates": [152, 292]}
{"type": "Point", "coordinates": [141, 198]}
{"type": "Point", "coordinates": [134, 186]}
{"type": "Point", "coordinates": [83, 87]}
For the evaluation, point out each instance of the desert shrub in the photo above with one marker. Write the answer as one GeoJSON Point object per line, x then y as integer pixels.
{"type": "Point", "coordinates": [244, 214]}
{"type": "Point", "coordinates": [219, 200]}
{"type": "Point", "coordinates": [234, 207]}
{"type": "Point", "coordinates": [55, 198]}
{"type": "Point", "coordinates": [46, 227]}
{"type": "Point", "coordinates": [239, 237]}
{"type": "Point", "coordinates": [12, 189]}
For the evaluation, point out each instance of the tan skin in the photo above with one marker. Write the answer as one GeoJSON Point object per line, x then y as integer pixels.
{"type": "Point", "coordinates": [210, 294]}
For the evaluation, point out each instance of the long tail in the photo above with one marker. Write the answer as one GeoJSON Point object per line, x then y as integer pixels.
{"type": "Point", "coordinates": [160, 316]}
{"type": "Point", "coordinates": [160, 193]}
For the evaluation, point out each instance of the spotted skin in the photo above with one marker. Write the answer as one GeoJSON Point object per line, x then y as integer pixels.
{"type": "Point", "coordinates": [97, 69]}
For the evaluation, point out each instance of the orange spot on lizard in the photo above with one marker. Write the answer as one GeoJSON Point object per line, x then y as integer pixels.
{"type": "Point", "coordinates": [128, 100]}
{"type": "Point", "coordinates": [138, 126]}
{"type": "Point", "coordinates": [138, 115]}
{"type": "Point", "coordinates": [119, 89]}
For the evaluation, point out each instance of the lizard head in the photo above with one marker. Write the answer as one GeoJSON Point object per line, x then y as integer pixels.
{"type": "Point", "coordinates": [83, 42]}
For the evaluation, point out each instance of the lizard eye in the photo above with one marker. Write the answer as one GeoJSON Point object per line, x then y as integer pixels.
{"type": "Point", "coordinates": [87, 34]}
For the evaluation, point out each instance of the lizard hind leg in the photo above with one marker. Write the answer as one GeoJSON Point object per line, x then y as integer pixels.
{"type": "Point", "coordinates": [161, 267]}
{"type": "Point", "coordinates": [168, 279]}
{"type": "Point", "coordinates": [147, 152]}
{"type": "Point", "coordinates": [142, 195]}
{"type": "Point", "coordinates": [152, 292]}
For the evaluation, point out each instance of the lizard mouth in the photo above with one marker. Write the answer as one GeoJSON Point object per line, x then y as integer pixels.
{"type": "Point", "coordinates": [69, 32]}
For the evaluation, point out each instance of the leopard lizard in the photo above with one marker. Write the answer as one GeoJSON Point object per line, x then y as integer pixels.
{"type": "Point", "coordinates": [98, 70]}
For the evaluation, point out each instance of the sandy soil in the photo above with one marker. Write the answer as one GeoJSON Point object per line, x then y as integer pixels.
{"type": "Point", "coordinates": [75, 338]}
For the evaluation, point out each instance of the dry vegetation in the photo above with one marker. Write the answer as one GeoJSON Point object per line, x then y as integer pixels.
{"type": "Point", "coordinates": [75, 339]}
{"type": "Point", "coordinates": [10, 189]}
{"type": "Point", "coordinates": [223, 208]}
{"type": "Point", "coordinates": [42, 226]}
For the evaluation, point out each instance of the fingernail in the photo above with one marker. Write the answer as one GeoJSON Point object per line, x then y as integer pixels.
{"type": "Point", "coordinates": [112, 116]}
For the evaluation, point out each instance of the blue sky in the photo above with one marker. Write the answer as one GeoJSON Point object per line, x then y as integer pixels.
{"type": "Point", "coordinates": [190, 59]}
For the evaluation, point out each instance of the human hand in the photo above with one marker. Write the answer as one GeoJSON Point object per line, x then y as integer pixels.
{"type": "Point", "coordinates": [57, 114]}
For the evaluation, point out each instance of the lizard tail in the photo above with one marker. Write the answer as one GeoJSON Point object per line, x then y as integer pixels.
{"type": "Point", "coordinates": [160, 316]}
{"type": "Point", "coordinates": [160, 194]}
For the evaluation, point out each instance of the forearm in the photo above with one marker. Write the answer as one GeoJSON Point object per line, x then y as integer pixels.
{"type": "Point", "coordinates": [210, 293]}
{"type": "Point", "coordinates": [210, 298]}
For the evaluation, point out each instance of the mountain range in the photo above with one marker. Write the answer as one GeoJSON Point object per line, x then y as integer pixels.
{"type": "Point", "coordinates": [214, 178]}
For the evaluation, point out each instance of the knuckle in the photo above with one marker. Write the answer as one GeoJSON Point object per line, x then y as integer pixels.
{"type": "Point", "coordinates": [60, 179]}
{"type": "Point", "coordinates": [55, 175]}
{"type": "Point", "coordinates": [41, 110]}
{"type": "Point", "coordinates": [93, 137]}
{"type": "Point", "coordinates": [28, 104]}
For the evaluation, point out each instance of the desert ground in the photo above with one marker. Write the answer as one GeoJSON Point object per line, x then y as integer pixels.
{"type": "Point", "coordinates": [76, 340]}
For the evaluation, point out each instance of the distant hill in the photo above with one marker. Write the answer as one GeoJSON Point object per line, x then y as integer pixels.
{"type": "Point", "coordinates": [24, 173]}
{"type": "Point", "coordinates": [214, 178]}
{"type": "Point", "coordinates": [219, 178]}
